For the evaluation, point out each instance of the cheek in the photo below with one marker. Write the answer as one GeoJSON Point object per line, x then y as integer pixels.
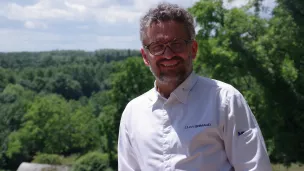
{"type": "Point", "coordinates": [190, 51]}
{"type": "Point", "coordinates": [153, 60]}
{"type": "Point", "coordinates": [150, 62]}
{"type": "Point", "coordinates": [186, 56]}
{"type": "Point", "coordinates": [153, 64]}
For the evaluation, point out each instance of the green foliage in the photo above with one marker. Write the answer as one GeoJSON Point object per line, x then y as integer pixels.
{"type": "Point", "coordinates": [14, 102]}
{"type": "Point", "coordinates": [61, 57]}
{"type": "Point", "coordinates": [68, 103]}
{"type": "Point", "coordinates": [57, 102]}
{"type": "Point", "coordinates": [92, 161]}
{"type": "Point", "coordinates": [70, 160]}
{"type": "Point", "coordinates": [64, 85]}
{"type": "Point", "coordinates": [131, 78]}
{"type": "Point", "coordinates": [6, 77]}
{"type": "Point", "coordinates": [51, 126]}
{"type": "Point", "coordinates": [262, 58]}
{"type": "Point", "coordinates": [53, 159]}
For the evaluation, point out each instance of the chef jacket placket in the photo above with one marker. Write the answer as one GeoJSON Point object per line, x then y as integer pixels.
{"type": "Point", "coordinates": [167, 128]}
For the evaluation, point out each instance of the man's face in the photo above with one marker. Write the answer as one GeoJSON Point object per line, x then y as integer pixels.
{"type": "Point", "coordinates": [172, 66]}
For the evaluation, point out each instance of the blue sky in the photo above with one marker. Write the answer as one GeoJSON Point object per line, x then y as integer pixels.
{"type": "Point", "coordinates": [40, 25]}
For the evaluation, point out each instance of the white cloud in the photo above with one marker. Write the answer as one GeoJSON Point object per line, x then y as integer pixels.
{"type": "Point", "coordinates": [119, 42]}
{"type": "Point", "coordinates": [35, 25]}
{"type": "Point", "coordinates": [91, 3]}
{"type": "Point", "coordinates": [83, 27]}
{"type": "Point", "coordinates": [73, 24]}
{"type": "Point", "coordinates": [143, 5]}
{"type": "Point", "coordinates": [75, 10]}
{"type": "Point", "coordinates": [32, 40]}
{"type": "Point", "coordinates": [77, 7]}
{"type": "Point", "coordinates": [128, 39]}
{"type": "Point", "coordinates": [115, 14]}
{"type": "Point", "coordinates": [100, 10]}
{"type": "Point", "coordinates": [41, 10]}
{"type": "Point", "coordinates": [26, 40]}
{"type": "Point", "coordinates": [110, 11]}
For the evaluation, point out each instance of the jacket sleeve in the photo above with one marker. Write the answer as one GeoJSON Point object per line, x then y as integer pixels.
{"type": "Point", "coordinates": [126, 155]}
{"type": "Point", "coordinates": [244, 143]}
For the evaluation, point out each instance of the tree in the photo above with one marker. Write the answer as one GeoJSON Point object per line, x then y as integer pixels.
{"type": "Point", "coordinates": [132, 79]}
{"type": "Point", "coordinates": [14, 101]}
{"type": "Point", "coordinates": [261, 57]}
{"type": "Point", "coordinates": [51, 126]}
{"type": "Point", "coordinates": [6, 77]}
{"type": "Point", "coordinates": [64, 85]}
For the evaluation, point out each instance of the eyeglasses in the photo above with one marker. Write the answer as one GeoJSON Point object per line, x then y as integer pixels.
{"type": "Point", "coordinates": [176, 46]}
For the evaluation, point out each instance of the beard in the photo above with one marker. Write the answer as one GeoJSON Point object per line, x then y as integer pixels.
{"type": "Point", "coordinates": [173, 77]}
{"type": "Point", "coordinates": [164, 78]}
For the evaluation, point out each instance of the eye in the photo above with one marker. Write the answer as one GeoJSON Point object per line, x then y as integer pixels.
{"type": "Point", "coordinates": [177, 44]}
{"type": "Point", "coordinates": [156, 47]}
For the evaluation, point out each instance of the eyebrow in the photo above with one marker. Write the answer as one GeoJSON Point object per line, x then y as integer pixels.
{"type": "Point", "coordinates": [164, 41]}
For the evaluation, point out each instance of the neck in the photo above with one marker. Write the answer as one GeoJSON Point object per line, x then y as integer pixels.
{"type": "Point", "coordinates": [165, 89]}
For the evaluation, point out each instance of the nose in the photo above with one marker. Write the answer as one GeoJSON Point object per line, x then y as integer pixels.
{"type": "Point", "coordinates": [168, 53]}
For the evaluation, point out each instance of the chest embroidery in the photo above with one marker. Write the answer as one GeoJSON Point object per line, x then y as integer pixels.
{"type": "Point", "coordinates": [197, 126]}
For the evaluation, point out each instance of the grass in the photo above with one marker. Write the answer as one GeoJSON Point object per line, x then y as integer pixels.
{"type": "Point", "coordinates": [293, 167]}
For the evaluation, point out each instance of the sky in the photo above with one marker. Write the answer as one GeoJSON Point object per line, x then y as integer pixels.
{"type": "Point", "coordinates": [43, 25]}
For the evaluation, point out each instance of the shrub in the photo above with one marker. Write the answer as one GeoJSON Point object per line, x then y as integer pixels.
{"type": "Point", "coordinates": [92, 161]}
{"type": "Point", "coordinates": [43, 158]}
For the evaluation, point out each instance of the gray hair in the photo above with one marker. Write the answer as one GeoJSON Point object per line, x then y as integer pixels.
{"type": "Point", "coordinates": [167, 12]}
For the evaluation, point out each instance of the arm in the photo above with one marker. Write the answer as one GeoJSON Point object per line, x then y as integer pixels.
{"type": "Point", "coordinates": [126, 156]}
{"type": "Point", "coordinates": [244, 143]}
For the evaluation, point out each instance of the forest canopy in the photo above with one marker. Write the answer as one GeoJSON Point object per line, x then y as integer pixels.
{"type": "Point", "coordinates": [64, 106]}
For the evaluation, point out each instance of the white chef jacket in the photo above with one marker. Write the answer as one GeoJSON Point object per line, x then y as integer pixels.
{"type": "Point", "coordinates": [205, 125]}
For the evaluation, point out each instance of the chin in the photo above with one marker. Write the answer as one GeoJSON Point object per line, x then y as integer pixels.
{"type": "Point", "coordinates": [166, 79]}
{"type": "Point", "coordinates": [170, 80]}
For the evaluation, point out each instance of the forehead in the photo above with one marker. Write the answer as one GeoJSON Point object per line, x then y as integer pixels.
{"type": "Point", "coordinates": [165, 31]}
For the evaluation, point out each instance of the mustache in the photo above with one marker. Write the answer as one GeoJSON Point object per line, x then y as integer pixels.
{"type": "Point", "coordinates": [178, 58]}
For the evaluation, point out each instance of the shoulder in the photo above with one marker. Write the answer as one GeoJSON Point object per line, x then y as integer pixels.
{"type": "Point", "coordinates": [136, 104]}
{"type": "Point", "coordinates": [141, 100]}
{"type": "Point", "coordinates": [221, 93]}
{"type": "Point", "coordinates": [231, 101]}
{"type": "Point", "coordinates": [216, 86]}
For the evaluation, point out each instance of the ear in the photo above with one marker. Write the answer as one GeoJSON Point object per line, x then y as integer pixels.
{"type": "Point", "coordinates": [194, 48]}
{"type": "Point", "coordinates": [145, 58]}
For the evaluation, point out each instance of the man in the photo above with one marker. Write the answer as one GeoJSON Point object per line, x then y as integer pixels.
{"type": "Point", "coordinates": [186, 122]}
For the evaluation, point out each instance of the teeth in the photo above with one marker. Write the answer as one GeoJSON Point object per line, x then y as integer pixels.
{"type": "Point", "coordinates": [169, 65]}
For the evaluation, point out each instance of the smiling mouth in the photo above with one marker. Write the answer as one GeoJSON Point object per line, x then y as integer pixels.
{"type": "Point", "coordinates": [169, 65]}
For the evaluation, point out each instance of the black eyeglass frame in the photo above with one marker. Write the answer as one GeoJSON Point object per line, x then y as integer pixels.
{"type": "Point", "coordinates": [166, 45]}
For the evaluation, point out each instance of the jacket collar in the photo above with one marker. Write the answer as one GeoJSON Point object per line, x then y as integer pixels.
{"type": "Point", "coordinates": [181, 92]}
